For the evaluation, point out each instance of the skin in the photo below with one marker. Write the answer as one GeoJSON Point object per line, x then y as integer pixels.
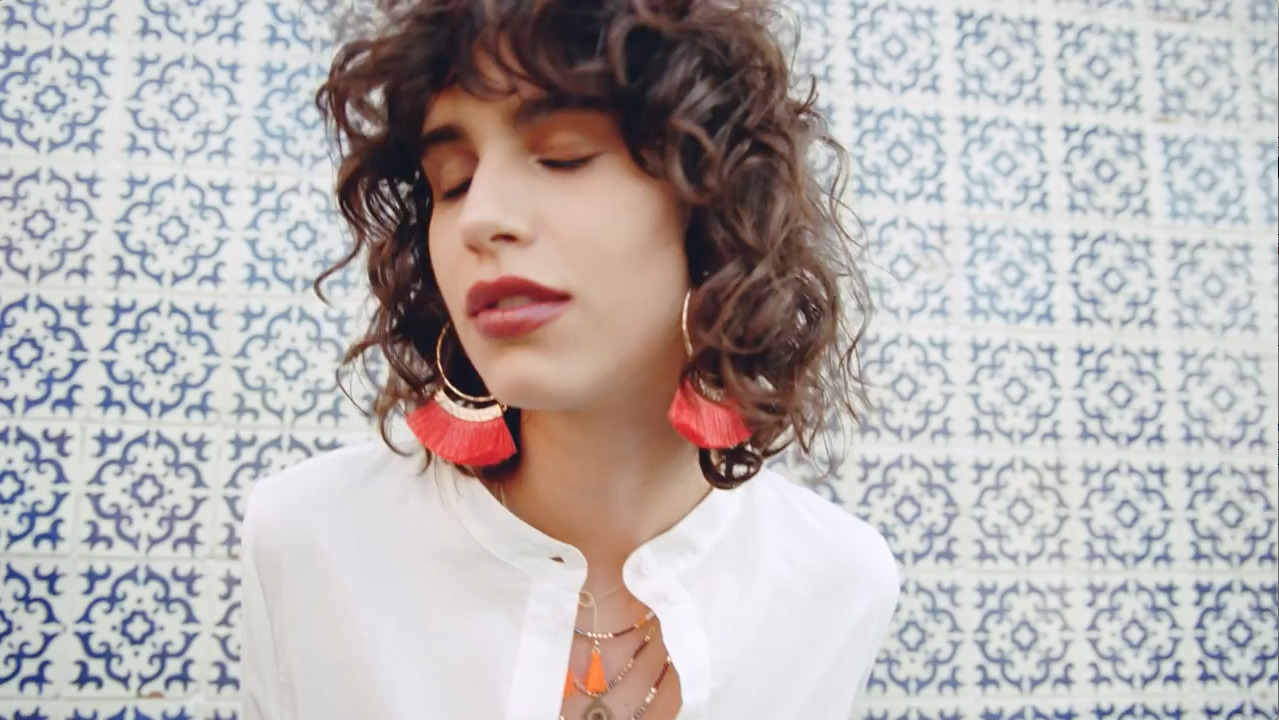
{"type": "Point", "coordinates": [602, 469]}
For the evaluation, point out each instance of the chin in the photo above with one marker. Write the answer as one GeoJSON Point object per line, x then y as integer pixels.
{"type": "Point", "coordinates": [530, 385]}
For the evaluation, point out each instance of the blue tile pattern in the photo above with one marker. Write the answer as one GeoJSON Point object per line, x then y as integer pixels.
{"type": "Point", "coordinates": [1070, 210]}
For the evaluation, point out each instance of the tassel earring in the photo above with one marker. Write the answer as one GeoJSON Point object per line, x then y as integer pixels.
{"type": "Point", "coordinates": [702, 416]}
{"type": "Point", "coordinates": [475, 435]}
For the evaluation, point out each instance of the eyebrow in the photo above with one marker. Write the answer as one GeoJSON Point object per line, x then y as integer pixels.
{"type": "Point", "coordinates": [527, 112]}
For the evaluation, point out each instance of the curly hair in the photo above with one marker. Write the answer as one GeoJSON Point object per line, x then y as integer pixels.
{"type": "Point", "coordinates": [701, 93]}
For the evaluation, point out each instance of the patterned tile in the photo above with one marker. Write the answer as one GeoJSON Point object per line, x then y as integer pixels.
{"type": "Point", "coordinates": [37, 463]}
{"type": "Point", "coordinates": [999, 58]}
{"type": "Point", "coordinates": [1112, 280]}
{"type": "Point", "coordinates": [1105, 172]}
{"type": "Point", "coordinates": [1098, 68]}
{"type": "Point", "coordinates": [1197, 78]}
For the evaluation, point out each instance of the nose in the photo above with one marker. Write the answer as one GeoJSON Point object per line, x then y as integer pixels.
{"type": "Point", "coordinates": [495, 208]}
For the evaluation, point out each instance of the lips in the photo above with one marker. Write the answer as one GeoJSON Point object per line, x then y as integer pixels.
{"type": "Point", "coordinates": [512, 306]}
{"type": "Point", "coordinates": [506, 290]}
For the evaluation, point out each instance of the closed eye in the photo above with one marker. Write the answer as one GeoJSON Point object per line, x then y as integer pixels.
{"type": "Point", "coordinates": [571, 164]}
{"type": "Point", "coordinates": [566, 164]}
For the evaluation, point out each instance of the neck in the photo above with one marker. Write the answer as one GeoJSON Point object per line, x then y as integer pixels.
{"type": "Point", "coordinates": [604, 481]}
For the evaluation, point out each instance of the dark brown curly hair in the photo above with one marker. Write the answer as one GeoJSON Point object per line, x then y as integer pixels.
{"type": "Point", "coordinates": [701, 93]}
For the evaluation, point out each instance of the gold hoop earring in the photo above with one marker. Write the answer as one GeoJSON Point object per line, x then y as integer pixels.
{"type": "Point", "coordinates": [475, 436]}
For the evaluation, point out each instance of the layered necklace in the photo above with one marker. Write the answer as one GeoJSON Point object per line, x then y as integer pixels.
{"type": "Point", "coordinates": [596, 685]}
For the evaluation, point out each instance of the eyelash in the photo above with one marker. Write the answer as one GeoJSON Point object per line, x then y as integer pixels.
{"type": "Point", "coordinates": [573, 164]}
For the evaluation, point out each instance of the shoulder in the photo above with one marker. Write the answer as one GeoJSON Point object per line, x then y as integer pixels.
{"type": "Point", "coordinates": [846, 555]}
{"type": "Point", "coordinates": [317, 493]}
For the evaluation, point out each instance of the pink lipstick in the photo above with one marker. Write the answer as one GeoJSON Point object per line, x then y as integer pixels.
{"type": "Point", "coordinates": [511, 306]}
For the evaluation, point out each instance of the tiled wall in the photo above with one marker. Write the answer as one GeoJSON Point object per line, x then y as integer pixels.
{"type": "Point", "coordinates": [1072, 211]}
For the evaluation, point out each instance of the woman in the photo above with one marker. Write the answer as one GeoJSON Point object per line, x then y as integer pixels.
{"type": "Point", "coordinates": [607, 288]}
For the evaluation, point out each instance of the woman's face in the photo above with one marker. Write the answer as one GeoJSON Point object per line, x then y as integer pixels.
{"type": "Point", "coordinates": [525, 191]}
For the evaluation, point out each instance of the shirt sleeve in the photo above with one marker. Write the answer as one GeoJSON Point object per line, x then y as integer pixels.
{"type": "Point", "coordinates": [881, 616]}
{"type": "Point", "coordinates": [260, 686]}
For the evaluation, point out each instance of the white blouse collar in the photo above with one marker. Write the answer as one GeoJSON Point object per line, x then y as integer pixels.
{"type": "Point", "coordinates": [524, 546]}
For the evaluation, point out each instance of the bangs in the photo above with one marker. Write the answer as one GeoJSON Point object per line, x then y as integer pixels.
{"type": "Point", "coordinates": [583, 50]}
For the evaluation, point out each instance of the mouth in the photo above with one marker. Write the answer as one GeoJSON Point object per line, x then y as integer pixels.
{"type": "Point", "coordinates": [512, 306]}
{"type": "Point", "coordinates": [509, 292]}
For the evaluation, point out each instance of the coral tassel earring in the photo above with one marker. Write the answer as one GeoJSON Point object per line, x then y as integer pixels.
{"type": "Point", "coordinates": [461, 435]}
{"type": "Point", "coordinates": [701, 420]}
{"type": "Point", "coordinates": [705, 423]}
{"type": "Point", "coordinates": [475, 436]}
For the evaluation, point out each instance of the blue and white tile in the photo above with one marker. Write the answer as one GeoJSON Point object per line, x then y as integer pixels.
{"type": "Point", "coordinates": [158, 359]}
{"type": "Point", "coordinates": [148, 492]}
{"type": "Point", "coordinates": [1133, 636]}
{"type": "Point", "coordinates": [1003, 165]}
{"type": "Point", "coordinates": [1121, 398]}
{"type": "Point", "coordinates": [1010, 274]}
{"type": "Point", "coordinates": [136, 629]}
{"type": "Point", "coordinates": [45, 337]}
{"type": "Point", "coordinates": [1263, 13]}
{"type": "Point", "coordinates": [220, 611]}
{"type": "Point", "coordinates": [898, 156]}
{"type": "Point", "coordinates": [1131, 513]}
{"type": "Point", "coordinates": [184, 106]}
{"type": "Point", "coordinates": [1021, 514]}
{"type": "Point", "coordinates": [1098, 67]}
{"type": "Point", "coordinates": [914, 382]}
{"type": "Point", "coordinates": [999, 58]}
{"type": "Point", "coordinates": [41, 464]}
{"type": "Point", "coordinates": [210, 26]}
{"type": "Point", "coordinates": [45, 21]}
{"type": "Point", "coordinates": [926, 650]}
{"type": "Point", "coordinates": [1223, 399]}
{"type": "Point", "coordinates": [1265, 188]}
{"type": "Point", "coordinates": [1112, 281]}
{"type": "Point", "coordinates": [1105, 171]}
{"type": "Point", "coordinates": [173, 229]}
{"type": "Point", "coordinates": [291, 234]}
{"type": "Point", "coordinates": [1202, 179]}
{"type": "Point", "coordinates": [1263, 73]}
{"type": "Point", "coordinates": [35, 614]}
{"type": "Point", "coordinates": [1235, 634]}
{"type": "Point", "coordinates": [896, 48]}
{"type": "Point", "coordinates": [288, 134]}
{"type": "Point", "coordinates": [1025, 631]}
{"type": "Point", "coordinates": [1014, 391]}
{"type": "Point", "coordinates": [1231, 515]}
{"type": "Point", "coordinates": [1183, 10]}
{"type": "Point", "coordinates": [281, 360]}
{"type": "Point", "coordinates": [304, 27]}
{"type": "Point", "coordinates": [911, 263]}
{"type": "Point", "coordinates": [56, 96]}
{"type": "Point", "coordinates": [915, 499]}
{"type": "Point", "coordinates": [1197, 77]}
{"type": "Point", "coordinates": [51, 222]}
{"type": "Point", "coordinates": [1213, 286]}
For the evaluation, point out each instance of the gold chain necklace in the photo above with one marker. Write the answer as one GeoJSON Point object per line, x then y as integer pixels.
{"type": "Point", "coordinates": [595, 687]}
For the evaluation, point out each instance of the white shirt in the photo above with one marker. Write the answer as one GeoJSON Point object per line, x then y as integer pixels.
{"type": "Point", "coordinates": [373, 591]}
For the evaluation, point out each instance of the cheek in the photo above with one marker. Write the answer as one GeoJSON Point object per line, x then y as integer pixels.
{"type": "Point", "coordinates": [445, 262]}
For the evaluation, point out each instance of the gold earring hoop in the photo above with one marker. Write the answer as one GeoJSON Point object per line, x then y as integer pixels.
{"type": "Point", "coordinates": [477, 414]}
{"type": "Point", "coordinates": [683, 323]}
{"type": "Point", "coordinates": [709, 391]}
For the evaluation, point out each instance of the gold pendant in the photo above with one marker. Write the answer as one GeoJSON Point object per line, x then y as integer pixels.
{"type": "Point", "coordinates": [597, 710]}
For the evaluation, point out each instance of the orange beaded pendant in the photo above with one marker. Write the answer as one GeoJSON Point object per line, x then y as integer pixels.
{"type": "Point", "coordinates": [595, 682]}
{"type": "Point", "coordinates": [569, 690]}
